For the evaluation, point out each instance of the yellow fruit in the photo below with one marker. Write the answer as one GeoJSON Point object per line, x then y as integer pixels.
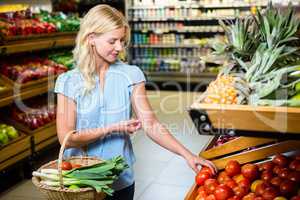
{"type": "Point", "coordinates": [280, 198]}
{"type": "Point", "coordinates": [221, 91]}
{"type": "Point", "coordinates": [255, 184]}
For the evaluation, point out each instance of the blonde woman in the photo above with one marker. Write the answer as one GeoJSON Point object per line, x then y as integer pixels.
{"type": "Point", "coordinates": [96, 98]}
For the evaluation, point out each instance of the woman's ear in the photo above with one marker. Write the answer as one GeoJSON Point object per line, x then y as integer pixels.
{"type": "Point", "coordinates": [91, 39]}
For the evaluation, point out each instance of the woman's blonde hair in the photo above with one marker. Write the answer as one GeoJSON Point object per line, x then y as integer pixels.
{"type": "Point", "coordinates": [100, 19]}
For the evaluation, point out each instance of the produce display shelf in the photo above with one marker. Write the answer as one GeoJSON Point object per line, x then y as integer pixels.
{"type": "Point", "coordinates": [7, 90]}
{"type": "Point", "coordinates": [255, 121]}
{"type": "Point", "coordinates": [200, 78]}
{"type": "Point", "coordinates": [15, 150]}
{"type": "Point", "coordinates": [220, 155]}
{"type": "Point", "coordinates": [16, 38]}
{"type": "Point", "coordinates": [25, 94]}
{"type": "Point", "coordinates": [37, 44]}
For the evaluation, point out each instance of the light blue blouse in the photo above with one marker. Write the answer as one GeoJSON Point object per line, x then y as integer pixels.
{"type": "Point", "coordinates": [100, 109]}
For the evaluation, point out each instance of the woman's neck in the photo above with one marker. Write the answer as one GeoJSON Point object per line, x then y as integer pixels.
{"type": "Point", "coordinates": [102, 66]}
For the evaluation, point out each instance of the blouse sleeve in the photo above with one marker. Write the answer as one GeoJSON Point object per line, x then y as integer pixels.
{"type": "Point", "coordinates": [64, 85]}
{"type": "Point", "coordinates": [135, 76]}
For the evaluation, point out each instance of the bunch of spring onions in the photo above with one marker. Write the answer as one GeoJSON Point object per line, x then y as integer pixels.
{"type": "Point", "coordinates": [99, 176]}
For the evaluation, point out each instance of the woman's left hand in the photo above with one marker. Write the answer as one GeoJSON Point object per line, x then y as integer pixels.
{"type": "Point", "coordinates": [194, 162]}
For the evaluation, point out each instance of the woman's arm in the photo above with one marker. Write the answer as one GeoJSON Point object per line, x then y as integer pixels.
{"type": "Point", "coordinates": [66, 122]}
{"type": "Point", "coordinates": [158, 133]}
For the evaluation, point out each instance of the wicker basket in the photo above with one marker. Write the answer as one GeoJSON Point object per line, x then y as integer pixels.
{"type": "Point", "coordinates": [63, 193]}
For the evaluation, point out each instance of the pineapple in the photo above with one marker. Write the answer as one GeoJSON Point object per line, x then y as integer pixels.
{"type": "Point", "coordinates": [221, 91]}
{"type": "Point", "coordinates": [261, 61]}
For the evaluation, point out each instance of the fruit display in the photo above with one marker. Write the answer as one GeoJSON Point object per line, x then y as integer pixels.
{"type": "Point", "coordinates": [30, 69]}
{"type": "Point", "coordinates": [37, 113]}
{"type": "Point", "coordinates": [65, 58]}
{"type": "Point", "coordinates": [7, 133]}
{"type": "Point", "coordinates": [62, 22]}
{"type": "Point", "coordinates": [23, 23]}
{"type": "Point", "coordinates": [278, 179]}
{"type": "Point", "coordinates": [264, 61]}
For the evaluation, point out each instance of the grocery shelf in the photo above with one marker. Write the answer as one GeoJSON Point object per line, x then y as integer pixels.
{"type": "Point", "coordinates": [37, 44]}
{"type": "Point", "coordinates": [203, 78]}
{"type": "Point", "coordinates": [25, 94]}
{"type": "Point", "coordinates": [178, 31]}
{"type": "Point", "coordinates": [165, 46]}
{"type": "Point", "coordinates": [219, 5]}
{"type": "Point", "coordinates": [182, 19]}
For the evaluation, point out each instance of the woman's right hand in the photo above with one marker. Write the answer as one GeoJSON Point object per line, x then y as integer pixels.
{"type": "Point", "coordinates": [129, 126]}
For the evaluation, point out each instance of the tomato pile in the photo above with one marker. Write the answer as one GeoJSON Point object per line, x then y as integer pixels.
{"type": "Point", "coordinates": [278, 179]}
{"type": "Point", "coordinates": [68, 166]}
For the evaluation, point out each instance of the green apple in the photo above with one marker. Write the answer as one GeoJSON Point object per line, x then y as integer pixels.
{"type": "Point", "coordinates": [12, 133]}
{"type": "Point", "coordinates": [3, 126]}
{"type": "Point", "coordinates": [3, 137]}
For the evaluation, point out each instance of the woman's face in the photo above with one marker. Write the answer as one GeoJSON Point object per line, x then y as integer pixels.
{"type": "Point", "coordinates": [110, 44]}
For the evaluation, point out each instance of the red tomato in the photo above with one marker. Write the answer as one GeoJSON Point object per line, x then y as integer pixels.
{"type": "Point", "coordinates": [269, 194]}
{"type": "Point", "coordinates": [284, 173]}
{"type": "Point", "coordinates": [223, 192]}
{"type": "Point", "coordinates": [258, 198]}
{"type": "Point", "coordinates": [238, 178]}
{"type": "Point", "coordinates": [276, 181]}
{"type": "Point", "coordinates": [74, 166]}
{"type": "Point", "coordinates": [280, 160]}
{"type": "Point", "coordinates": [240, 191]}
{"type": "Point", "coordinates": [231, 183]}
{"type": "Point", "coordinates": [234, 198]}
{"type": "Point", "coordinates": [260, 188]}
{"type": "Point", "coordinates": [201, 191]}
{"type": "Point", "coordinates": [250, 171]}
{"type": "Point", "coordinates": [287, 187]}
{"type": "Point", "coordinates": [268, 166]}
{"type": "Point", "coordinates": [206, 169]}
{"type": "Point", "coordinates": [233, 168]}
{"type": "Point", "coordinates": [210, 185]}
{"type": "Point", "coordinates": [244, 183]}
{"type": "Point", "coordinates": [201, 177]}
{"type": "Point", "coordinates": [199, 197]}
{"type": "Point", "coordinates": [210, 197]}
{"type": "Point", "coordinates": [266, 176]}
{"type": "Point", "coordinates": [276, 169]}
{"type": "Point", "coordinates": [66, 165]}
{"type": "Point", "coordinates": [294, 176]}
{"type": "Point", "coordinates": [249, 196]}
{"type": "Point", "coordinates": [223, 177]}
{"type": "Point", "coordinates": [295, 165]}
{"type": "Point", "coordinates": [296, 197]}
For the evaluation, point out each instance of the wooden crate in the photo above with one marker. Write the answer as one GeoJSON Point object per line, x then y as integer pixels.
{"type": "Point", "coordinates": [233, 150]}
{"type": "Point", "coordinates": [15, 147]}
{"type": "Point", "coordinates": [20, 38]}
{"type": "Point", "coordinates": [26, 129]}
{"type": "Point", "coordinates": [30, 84]}
{"type": "Point", "coordinates": [260, 120]}
{"type": "Point", "coordinates": [7, 91]}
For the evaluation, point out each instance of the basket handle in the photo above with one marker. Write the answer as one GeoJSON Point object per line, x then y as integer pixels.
{"type": "Point", "coordinates": [60, 156]}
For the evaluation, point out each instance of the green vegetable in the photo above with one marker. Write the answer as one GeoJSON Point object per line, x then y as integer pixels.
{"type": "Point", "coordinates": [98, 176]}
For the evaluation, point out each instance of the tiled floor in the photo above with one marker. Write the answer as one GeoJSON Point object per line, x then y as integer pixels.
{"type": "Point", "coordinates": [160, 175]}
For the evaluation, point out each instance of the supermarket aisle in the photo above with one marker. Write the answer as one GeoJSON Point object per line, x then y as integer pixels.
{"type": "Point", "coordinates": [160, 174]}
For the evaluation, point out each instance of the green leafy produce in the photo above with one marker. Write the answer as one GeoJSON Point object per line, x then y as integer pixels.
{"type": "Point", "coordinates": [65, 58]}
{"type": "Point", "coordinates": [99, 176]}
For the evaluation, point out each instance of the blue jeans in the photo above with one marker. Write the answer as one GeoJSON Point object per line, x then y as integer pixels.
{"type": "Point", "coordinates": [124, 194]}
